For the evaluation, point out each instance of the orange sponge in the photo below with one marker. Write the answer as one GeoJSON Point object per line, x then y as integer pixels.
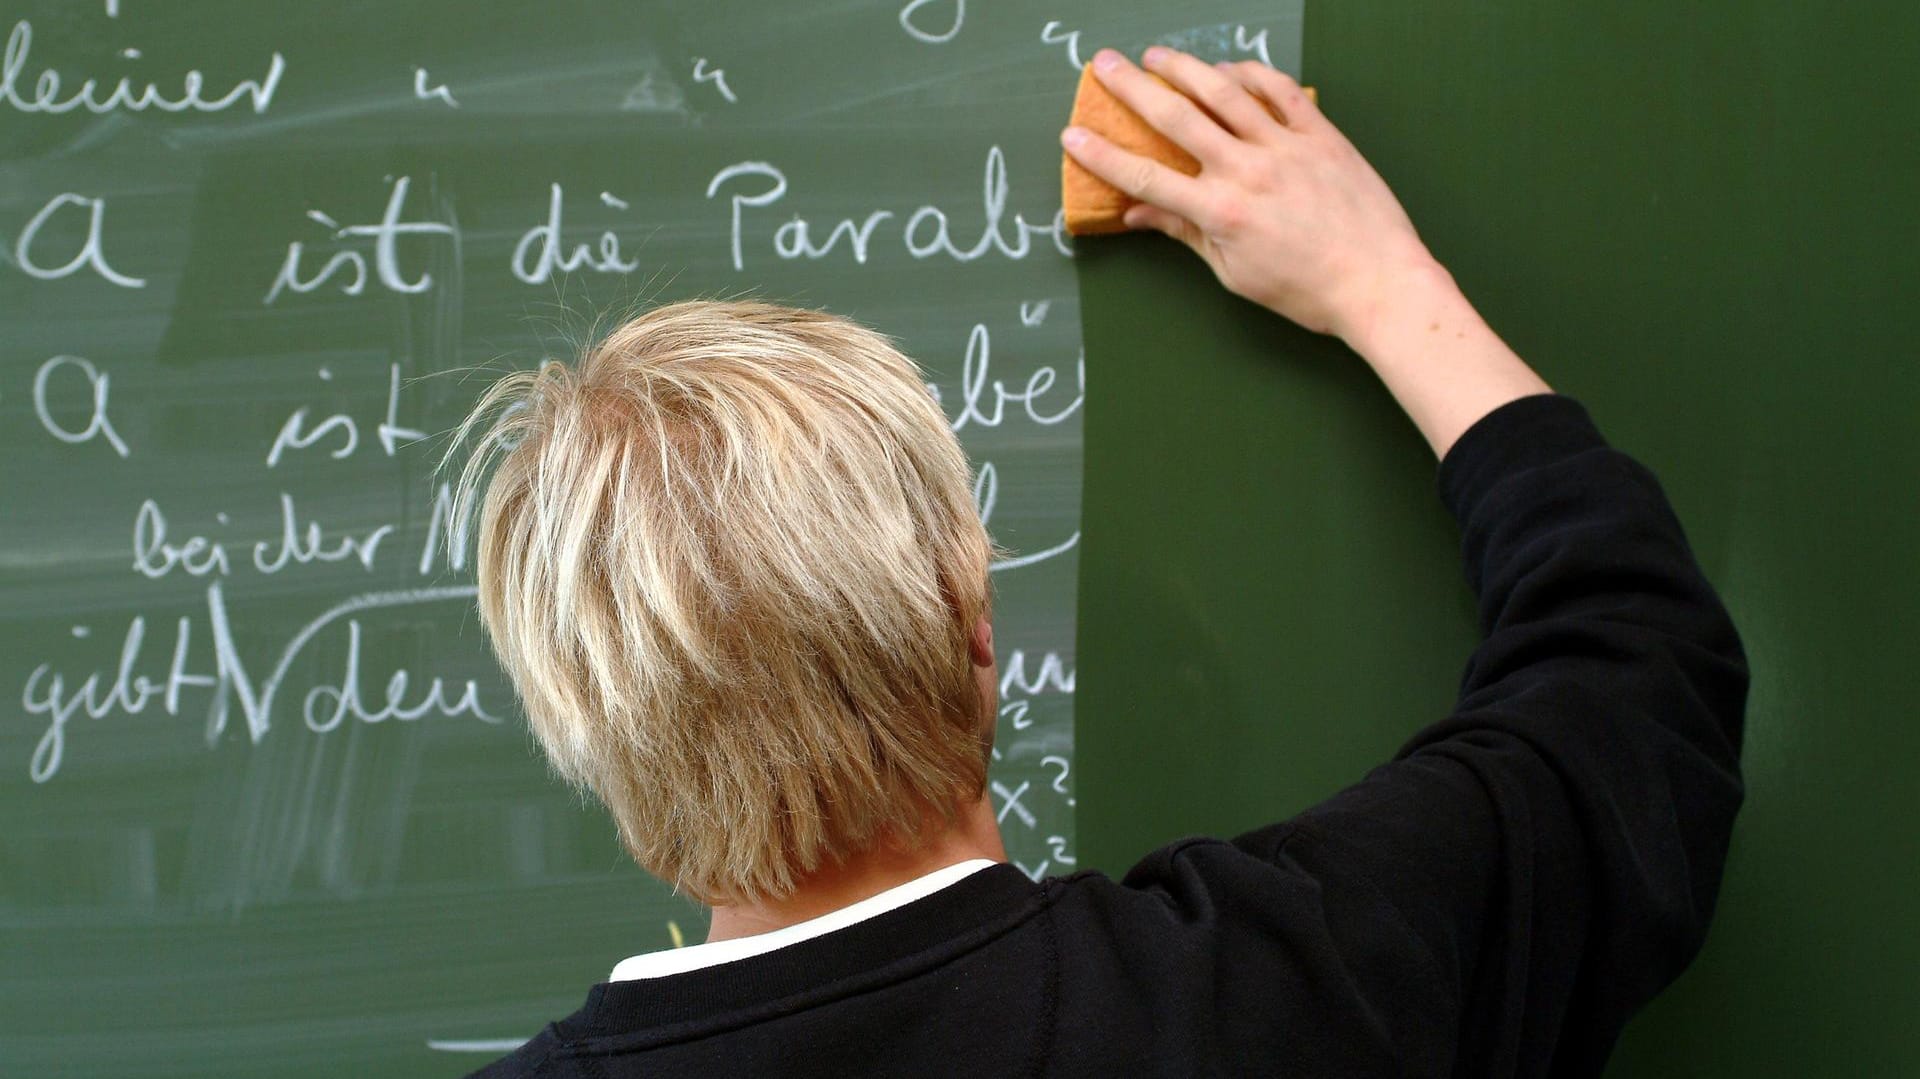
{"type": "Point", "coordinates": [1093, 205]}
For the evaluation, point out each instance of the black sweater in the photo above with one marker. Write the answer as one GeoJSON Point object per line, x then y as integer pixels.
{"type": "Point", "coordinates": [1495, 901]}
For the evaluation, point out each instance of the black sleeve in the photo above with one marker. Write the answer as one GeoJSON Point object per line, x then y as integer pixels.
{"type": "Point", "coordinates": [1557, 843]}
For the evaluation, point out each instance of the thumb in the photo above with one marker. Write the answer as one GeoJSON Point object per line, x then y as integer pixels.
{"type": "Point", "coordinates": [1145, 215]}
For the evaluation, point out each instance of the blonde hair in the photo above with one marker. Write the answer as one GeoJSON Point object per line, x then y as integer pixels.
{"type": "Point", "coordinates": [732, 562]}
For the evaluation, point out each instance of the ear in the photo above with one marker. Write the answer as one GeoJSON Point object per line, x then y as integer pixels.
{"type": "Point", "coordinates": [980, 646]}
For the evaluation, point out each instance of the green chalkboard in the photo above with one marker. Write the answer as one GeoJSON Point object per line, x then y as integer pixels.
{"type": "Point", "coordinates": [269, 807]}
{"type": "Point", "coordinates": [1699, 219]}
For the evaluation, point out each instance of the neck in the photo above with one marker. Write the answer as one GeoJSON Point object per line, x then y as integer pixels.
{"type": "Point", "coordinates": [974, 834]}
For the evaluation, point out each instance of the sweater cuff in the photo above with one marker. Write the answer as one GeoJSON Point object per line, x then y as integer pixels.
{"type": "Point", "coordinates": [1522, 434]}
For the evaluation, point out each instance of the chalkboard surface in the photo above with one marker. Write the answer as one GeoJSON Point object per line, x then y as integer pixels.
{"type": "Point", "coordinates": [1697, 218]}
{"type": "Point", "coordinates": [270, 809]}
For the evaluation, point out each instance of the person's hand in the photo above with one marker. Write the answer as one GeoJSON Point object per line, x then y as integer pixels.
{"type": "Point", "coordinates": [1290, 216]}
{"type": "Point", "coordinates": [1285, 210]}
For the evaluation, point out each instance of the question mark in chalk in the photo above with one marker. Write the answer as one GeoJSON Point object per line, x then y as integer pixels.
{"type": "Point", "coordinates": [1059, 781]}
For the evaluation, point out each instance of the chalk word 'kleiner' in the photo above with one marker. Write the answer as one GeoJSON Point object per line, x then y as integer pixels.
{"type": "Point", "coordinates": [46, 86]}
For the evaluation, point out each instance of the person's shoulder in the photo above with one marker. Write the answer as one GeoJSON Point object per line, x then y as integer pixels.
{"type": "Point", "coordinates": [1188, 873]}
{"type": "Point", "coordinates": [538, 1056]}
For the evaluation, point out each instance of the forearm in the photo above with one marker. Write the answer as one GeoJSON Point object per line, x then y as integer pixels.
{"type": "Point", "coordinates": [1437, 356]}
{"type": "Point", "coordinates": [1558, 842]}
{"type": "Point", "coordinates": [1291, 216]}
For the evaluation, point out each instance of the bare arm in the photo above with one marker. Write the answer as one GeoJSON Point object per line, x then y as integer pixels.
{"type": "Point", "coordinates": [1290, 216]}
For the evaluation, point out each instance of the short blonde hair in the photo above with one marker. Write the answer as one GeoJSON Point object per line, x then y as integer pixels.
{"type": "Point", "coordinates": [732, 562]}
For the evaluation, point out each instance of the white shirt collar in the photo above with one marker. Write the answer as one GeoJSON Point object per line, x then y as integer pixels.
{"type": "Point", "coordinates": [713, 953]}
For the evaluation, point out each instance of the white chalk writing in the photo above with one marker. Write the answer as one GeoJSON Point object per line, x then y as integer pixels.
{"type": "Point", "coordinates": [932, 37]}
{"type": "Point", "coordinates": [456, 533]}
{"type": "Point", "coordinates": [925, 234]}
{"type": "Point", "coordinates": [716, 76]}
{"type": "Point", "coordinates": [285, 563]}
{"type": "Point", "coordinates": [299, 543]}
{"type": "Point", "coordinates": [385, 233]}
{"type": "Point", "coordinates": [296, 434]}
{"type": "Point", "coordinates": [154, 557]}
{"type": "Point", "coordinates": [1010, 803]}
{"type": "Point", "coordinates": [975, 387]}
{"type": "Point", "coordinates": [45, 693]}
{"type": "Point", "coordinates": [46, 87]}
{"type": "Point", "coordinates": [425, 92]}
{"type": "Point", "coordinates": [1052, 673]}
{"type": "Point", "coordinates": [90, 256]}
{"type": "Point", "coordinates": [1053, 34]}
{"type": "Point", "coordinates": [1255, 44]}
{"type": "Point", "coordinates": [301, 546]}
{"type": "Point", "coordinates": [48, 692]}
{"type": "Point", "coordinates": [1059, 781]}
{"type": "Point", "coordinates": [540, 250]}
{"type": "Point", "coordinates": [986, 490]}
{"type": "Point", "coordinates": [97, 422]}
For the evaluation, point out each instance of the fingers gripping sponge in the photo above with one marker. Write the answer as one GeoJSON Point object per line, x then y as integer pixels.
{"type": "Point", "coordinates": [1092, 205]}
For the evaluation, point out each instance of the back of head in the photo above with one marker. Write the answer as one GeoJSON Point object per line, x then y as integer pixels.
{"type": "Point", "coordinates": [731, 562]}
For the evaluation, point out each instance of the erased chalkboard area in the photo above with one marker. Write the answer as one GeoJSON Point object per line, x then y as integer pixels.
{"type": "Point", "coordinates": [1697, 218]}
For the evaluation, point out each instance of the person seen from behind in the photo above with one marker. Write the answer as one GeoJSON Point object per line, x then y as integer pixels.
{"type": "Point", "coordinates": [732, 564]}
